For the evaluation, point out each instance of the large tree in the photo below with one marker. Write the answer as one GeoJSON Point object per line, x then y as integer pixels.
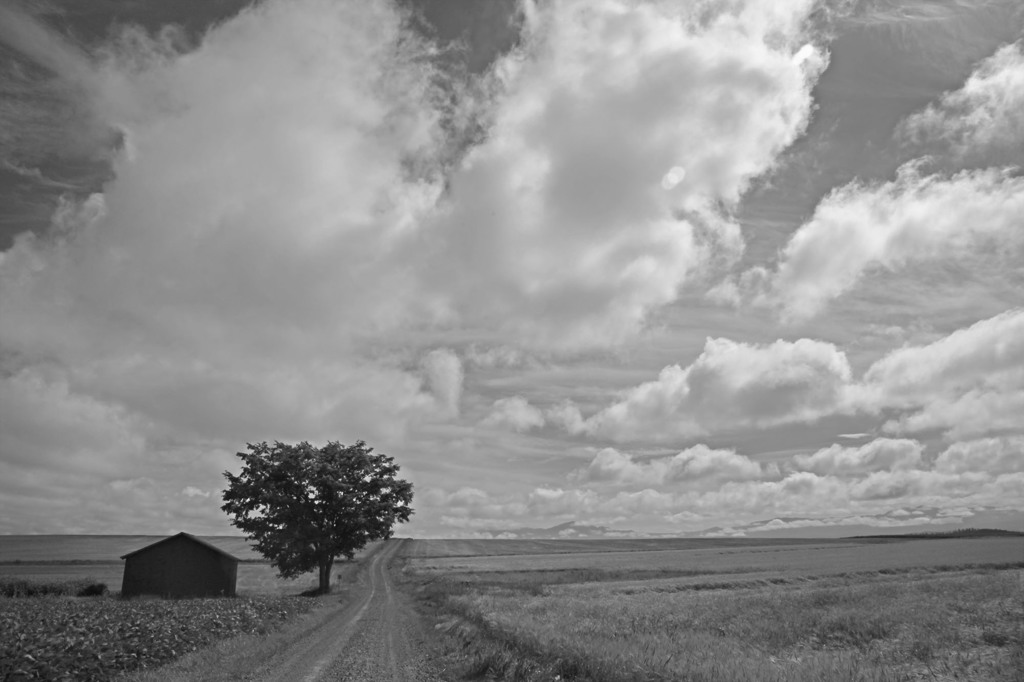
{"type": "Point", "coordinates": [306, 506]}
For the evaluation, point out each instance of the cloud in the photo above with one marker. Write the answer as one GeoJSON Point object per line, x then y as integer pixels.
{"type": "Point", "coordinates": [860, 228]}
{"type": "Point", "coordinates": [979, 121]}
{"type": "Point", "coordinates": [192, 491]}
{"type": "Point", "coordinates": [798, 499]}
{"type": "Point", "coordinates": [293, 242]}
{"type": "Point", "coordinates": [970, 382]}
{"type": "Point", "coordinates": [52, 111]}
{"type": "Point", "coordinates": [988, 352]}
{"type": "Point", "coordinates": [858, 520]}
{"type": "Point", "coordinates": [223, 284]}
{"type": "Point", "coordinates": [994, 455]}
{"type": "Point", "coordinates": [222, 217]}
{"type": "Point", "coordinates": [973, 413]}
{"type": "Point", "coordinates": [514, 412]}
{"type": "Point", "coordinates": [566, 415]}
{"type": "Point", "coordinates": [731, 385]}
{"type": "Point", "coordinates": [49, 424]}
{"type": "Point", "coordinates": [886, 482]}
{"type": "Point", "coordinates": [698, 465]}
{"type": "Point", "coordinates": [562, 230]}
{"type": "Point", "coordinates": [880, 454]}
{"type": "Point", "coordinates": [546, 502]}
{"type": "Point", "coordinates": [35, 41]}
{"type": "Point", "coordinates": [919, 217]}
{"type": "Point", "coordinates": [326, 216]}
{"type": "Point", "coordinates": [74, 462]}
{"type": "Point", "coordinates": [444, 374]}
{"type": "Point", "coordinates": [505, 357]}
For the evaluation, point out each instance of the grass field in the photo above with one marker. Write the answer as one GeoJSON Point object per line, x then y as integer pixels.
{"type": "Point", "coordinates": [473, 548]}
{"type": "Point", "coordinates": [839, 610]}
{"type": "Point", "coordinates": [716, 562]}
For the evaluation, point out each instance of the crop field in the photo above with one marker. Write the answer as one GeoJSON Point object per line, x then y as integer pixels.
{"type": "Point", "coordinates": [95, 638]}
{"type": "Point", "coordinates": [90, 638]}
{"type": "Point", "coordinates": [838, 610]}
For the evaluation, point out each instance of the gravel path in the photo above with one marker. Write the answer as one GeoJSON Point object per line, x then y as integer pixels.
{"type": "Point", "coordinates": [375, 637]}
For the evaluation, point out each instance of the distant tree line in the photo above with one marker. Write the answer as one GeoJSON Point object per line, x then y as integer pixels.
{"type": "Point", "coordinates": [943, 534]}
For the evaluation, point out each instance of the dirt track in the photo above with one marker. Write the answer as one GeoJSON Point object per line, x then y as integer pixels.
{"type": "Point", "coordinates": [376, 636]}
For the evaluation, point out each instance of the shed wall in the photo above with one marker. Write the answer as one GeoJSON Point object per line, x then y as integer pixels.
{"type": "Point", "coordinates": [179, 568]}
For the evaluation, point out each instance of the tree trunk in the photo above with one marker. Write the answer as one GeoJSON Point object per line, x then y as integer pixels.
{"type": "Point", "coordinates": [325, 575]}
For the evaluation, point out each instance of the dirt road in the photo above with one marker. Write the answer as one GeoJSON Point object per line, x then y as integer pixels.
{"type": "Point", "coordinates": [375, 637]}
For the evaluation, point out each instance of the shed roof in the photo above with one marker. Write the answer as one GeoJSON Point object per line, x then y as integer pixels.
{"type": "Point", "coordinates": [187, 536]}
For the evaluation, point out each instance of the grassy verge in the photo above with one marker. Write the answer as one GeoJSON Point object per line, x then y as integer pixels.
{"type": "Point", "coordinates": [907, 625]}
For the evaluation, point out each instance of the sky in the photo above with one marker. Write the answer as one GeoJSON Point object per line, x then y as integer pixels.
{"type": "Point", "coordinates": [719, 267]}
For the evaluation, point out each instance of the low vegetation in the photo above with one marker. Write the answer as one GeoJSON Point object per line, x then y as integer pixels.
{"type": "Point", "coordinates": [21, 587]}
{"type": "Point", "coordinates": [898, 623]}
{"type": "Point", "coordinates": [53, 637]}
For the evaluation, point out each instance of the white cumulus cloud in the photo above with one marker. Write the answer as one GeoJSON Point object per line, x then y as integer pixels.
{"type": "Point", "coordinates": [860, 228]}
{"type": "Point", "coordinates": [995, 455]}
{"type": "Point", "coordinates": [981, 120]}
{"type": "Point", "coordinates": [731, 384]}
{"type": "Point", "coordinates": [865, 227]}
{"type": "Point", "coordinates": [559, 221]}
{"type": "Point", "coordinates": [970, 382]}
{"type": "Point", "coordinates": [515, 412]}
{"type": "Point", "coordinates": [699, 465]}
{"type": "Point", "coordinates": [880, 454]}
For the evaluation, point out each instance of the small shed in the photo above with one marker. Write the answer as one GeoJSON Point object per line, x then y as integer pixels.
{"type": "Point", "coordinates": [180, 566]}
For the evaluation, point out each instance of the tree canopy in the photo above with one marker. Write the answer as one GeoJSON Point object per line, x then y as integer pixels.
{"type": "Point", "coordinates": [306, 506]}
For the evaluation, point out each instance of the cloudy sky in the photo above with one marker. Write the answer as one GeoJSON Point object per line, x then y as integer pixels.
{"type": "Point", "coordinates": [661, 266]}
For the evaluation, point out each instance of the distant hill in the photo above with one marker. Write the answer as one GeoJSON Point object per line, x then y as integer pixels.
{"type": "Point", "coordinates": [100, 548]}
{"type": "Point", "coordinates": [943, 534]}
{"type": "Point", "coordinates": [924, 522]}
{"type": "Point", "coordinates": [564, 531]}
